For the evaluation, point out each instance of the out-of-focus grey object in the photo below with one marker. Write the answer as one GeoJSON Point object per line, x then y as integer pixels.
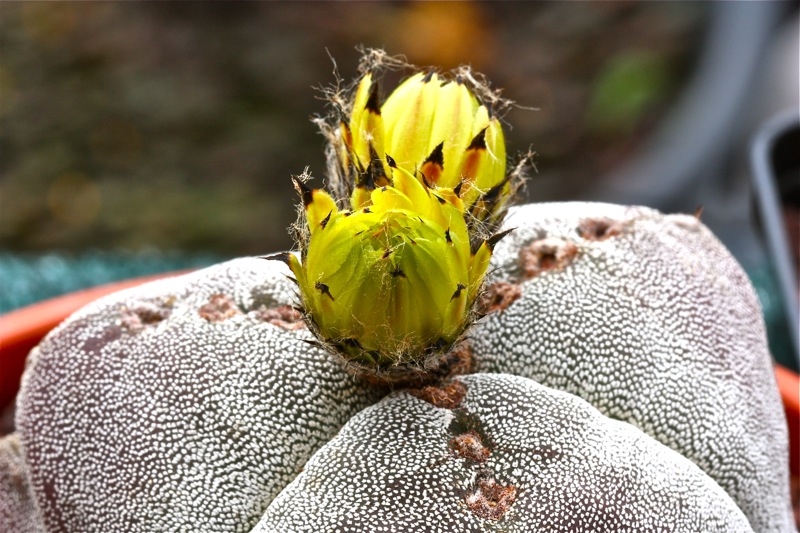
{"type": "Point", "coordinates": [775, 159]}
{"type": "Point", "coordinates": [694, 139]}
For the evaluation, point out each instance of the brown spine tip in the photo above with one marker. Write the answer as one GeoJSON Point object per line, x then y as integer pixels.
{"type": "Point", "coordinates": [390, 161]}
{"type": "Point", "coordinates": [283, 257]}
{"type": "Point", "coordinates": [377, 176]}
{"type": "Point", "coordinates": [425, 180]}
{"type": "Point", "coordinates": [373, 104]}
{"type": "Point", "coordinates": [698, 213]}
{"type": "Point", "coordinates": [366, 180]}
{"type": "Point", "coordinates": [457, 190]}
{"type": "Point", "coordinates": [324, 290]}
{"type": "Point", "coordinates": [324, 221]}
{"type": "Point", "coordinates": [428, 77]}
{"type": "Point", "coordinates": [447, 236]}
{"type": "Point", "coordinates": [479, 141]}
{"type": "Point", "coordinates": [494, 239]}
{"type": "Point", "coordinates": [437, 155]}
{"type": "Point", "coordinates": [460, 287]}
{"type": "Point", "coordinates": [304, 190]}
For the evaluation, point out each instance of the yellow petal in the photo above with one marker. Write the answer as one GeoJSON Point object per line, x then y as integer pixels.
{"type": "Point", "coordinates": [452, 125]}
{"type": "Point", "coordinates": [408, 116]}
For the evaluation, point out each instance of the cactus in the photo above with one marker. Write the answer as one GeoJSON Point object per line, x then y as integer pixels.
{"type": "Point", "coordinates": [208, 402]}
{"type": "Point", "coordinates": [539, 460]}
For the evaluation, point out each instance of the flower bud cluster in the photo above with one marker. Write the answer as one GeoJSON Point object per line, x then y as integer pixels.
{"type": "Point", "coordinates": [390, 281]}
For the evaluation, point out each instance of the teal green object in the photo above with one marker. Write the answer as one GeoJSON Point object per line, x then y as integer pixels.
{"type": "Point", "coordinates": [769, 293]}
{"type": "Point", "coordinates": [28, 278]}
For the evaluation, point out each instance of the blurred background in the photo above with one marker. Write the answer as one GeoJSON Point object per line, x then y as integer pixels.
{"type": "Point", "coordinates": [145, 137]}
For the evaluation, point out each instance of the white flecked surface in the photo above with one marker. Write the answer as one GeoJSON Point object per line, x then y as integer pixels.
{"type": "Point", "coordinates": [138, 414]}
{"type": "Point", "coordinates": [18, 510]}
{"type": "Point", "coordinates": [183, 424]}
{"type": "Point", "coordinates": [390, 469]}
{"type": "Point", "coordinates": [658, 326]}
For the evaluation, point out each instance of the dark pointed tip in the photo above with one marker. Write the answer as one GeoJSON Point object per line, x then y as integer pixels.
{"type": "Point", "coordinates": [437, 155]}
{"type": "Point", "coordinates": [460, 79]}
{"type": "Point", "coordinates": [397, 273]}
{"type": "Point", "coordinates": [479, 141]}
{"type": "Point", "coordinates": [283, 257]}
{"type": "Point", "coordinates": [698, 213]}
{"type": "Point", "coordinates": [494, 239]}
{"type": "Point", "coordinates": [492, 195]}
{"type": "Point", "coordinates": [425, 181]}
{"type": "Point", "coordinates": [460, 287]}
{"type": "Point", "coordinates": [441, 200]}
{"type": "Point", "coordinates": [447, 236]}
{"type": "Point", "coordinates": [324, 290]}
{"type": "Point", "coordinates": [324, 221]}
{"type": "Point", "coordinates": [387, 253]}
{"type": "Point", "coordinates": [304, 190]}
{"type": "Point", "coordinates": [315, 344]}
{"type": "Point", "coordinates": [293, 280]}
{"type": "Point", "coordinates": [457, 190]}
{"type": "Point", "coordinates": [373, 104]}
{"type": "Point", "coordinates": [428, 77]}
{"type": "Point", "coordinates": [390, 161]}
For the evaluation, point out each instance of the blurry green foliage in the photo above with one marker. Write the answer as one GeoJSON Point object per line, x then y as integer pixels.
{"type": "Point", "coordinates": [627, 88]}
{"type": "Point", "coordinates": [177, 125]}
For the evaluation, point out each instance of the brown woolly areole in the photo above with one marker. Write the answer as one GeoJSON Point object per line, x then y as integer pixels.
{"type": "Point", "coordinates": [408, 370]}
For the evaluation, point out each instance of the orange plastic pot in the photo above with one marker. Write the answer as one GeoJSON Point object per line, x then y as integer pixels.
{"type": "Point", "coordinates": [22, 329]}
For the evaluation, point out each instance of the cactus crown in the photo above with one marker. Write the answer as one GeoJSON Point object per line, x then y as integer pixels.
{"type": "Point", "coordinates": [392, 260]}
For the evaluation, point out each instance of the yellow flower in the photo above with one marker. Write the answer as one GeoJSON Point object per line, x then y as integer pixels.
{"type": "Point", "coordinates": [391, 282]}
{"type": "Point", "coordinates": [433, 128]}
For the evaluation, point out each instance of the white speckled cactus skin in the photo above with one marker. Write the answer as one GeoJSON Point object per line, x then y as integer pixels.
{"type": "Point", "coordinates": [390, 469]}
{"type": "Point", "coordinates": [657, 325]}
{"type": "Point", "coordinates": [142, 413]}
{"type": "Point", "coordinates": [18, 510]}
{"type": "Point", "coordinates": [180, 424]}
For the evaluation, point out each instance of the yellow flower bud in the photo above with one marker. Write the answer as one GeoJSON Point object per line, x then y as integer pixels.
{"type": "Point", "coordinates": [436, 130]}
{"type": "Point", "coordinates": [391, 283]}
